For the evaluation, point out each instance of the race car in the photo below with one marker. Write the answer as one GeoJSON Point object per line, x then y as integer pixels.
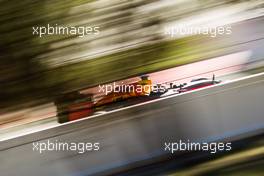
{"type": "Point", "coordinates": [74, 105]}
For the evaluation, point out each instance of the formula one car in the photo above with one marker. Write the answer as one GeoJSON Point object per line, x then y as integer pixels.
{"type": "Point", "coordinates": [74, 105]}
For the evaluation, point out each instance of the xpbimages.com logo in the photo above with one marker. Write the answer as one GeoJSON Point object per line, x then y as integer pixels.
{"type": "Point", "coordinates": [211, 147]}
{"type": "Point", "coordinates": [129, 88]}
{"type": "Point", "coordinates": [182, 30]}
{"type": "Point", "coordinates": [79, 147]}
{"type": "Point", "coordinates": [56, 29]}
